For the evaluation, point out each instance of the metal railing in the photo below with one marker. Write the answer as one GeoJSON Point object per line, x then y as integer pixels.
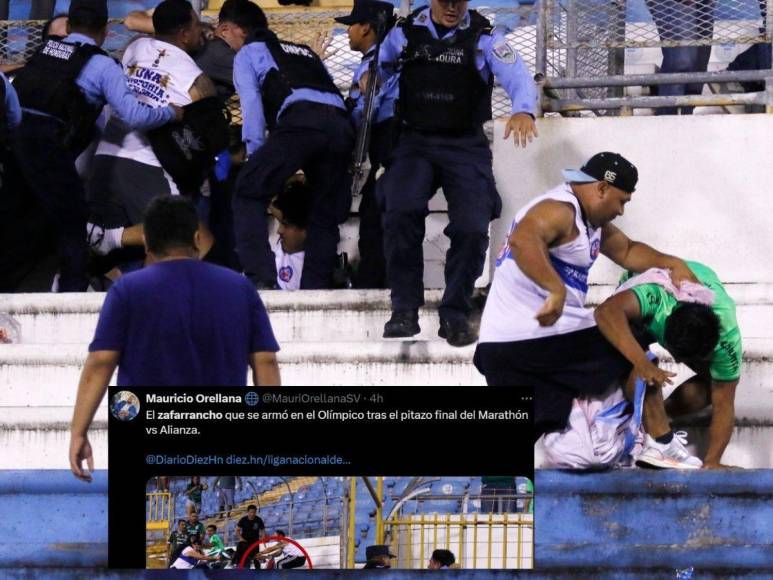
{"type": "Point", "coordinates": [478, 541]}
{"type": "Point", "coordinates": [160, 511]}
{"type": "Point", "coordinates": [582, 44]}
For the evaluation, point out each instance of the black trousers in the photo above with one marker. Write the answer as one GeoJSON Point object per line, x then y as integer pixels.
{"type": "Point", "coordinates": [558, 368]}
{"type": "Point", "coordinates": [372, 270]}
{"type": "Point", "coordinates": [461, 165]}
{"type": "Point", "coordinates": [49, 170]}
{"type": "Point", "coordinates": [318, 139]}
{"type": "Point", "coordinates": [294, 562]}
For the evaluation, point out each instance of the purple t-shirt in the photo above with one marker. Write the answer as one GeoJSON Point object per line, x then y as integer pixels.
{"type": "Point", "coordinates": [183, 322]}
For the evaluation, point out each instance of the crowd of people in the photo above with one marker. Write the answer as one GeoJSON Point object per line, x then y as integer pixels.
{"type": "Point", "coordinates": [424, 88]}
{"type": "Point", "coordinates": [191, 546]}
{"type": "Point", "coordinates": [83, 174]}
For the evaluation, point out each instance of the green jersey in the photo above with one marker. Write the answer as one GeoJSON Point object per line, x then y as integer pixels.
{"type": "Point", "coordinates": [656, 305]}
{"type": "Point", "coordinates": [217, 545]}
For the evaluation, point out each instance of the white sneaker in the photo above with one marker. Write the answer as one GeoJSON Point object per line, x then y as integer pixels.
{"type": "Point", "coordinates": [101, 240]}
{"type": "Point", "coordinates": [672, 455]}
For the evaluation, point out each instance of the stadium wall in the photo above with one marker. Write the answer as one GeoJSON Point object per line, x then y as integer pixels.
{"type": "Point", "coordinates": [704, 184]}
{"type": "Point", "coordinates": [655, 522]}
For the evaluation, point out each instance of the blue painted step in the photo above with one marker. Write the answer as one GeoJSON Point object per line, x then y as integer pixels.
{"type": "Point", "coordinates": [52, 520]}
{"type": "Point", "coordinates": [642, 519]}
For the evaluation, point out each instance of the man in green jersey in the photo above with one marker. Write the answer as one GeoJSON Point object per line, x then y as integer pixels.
{"type": "Point", "coordinates": [213, 543]}
{"type": "Point", "coordinates": [705, 338]}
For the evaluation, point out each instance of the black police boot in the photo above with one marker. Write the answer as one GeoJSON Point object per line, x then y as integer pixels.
{"type": "Point", "coordinates": [403, 324]}
{"type": "Point", "coordinates": [457, 331]}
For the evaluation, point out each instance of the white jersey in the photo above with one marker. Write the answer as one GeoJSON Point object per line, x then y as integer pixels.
{"type": "Point", "coordinates": [290, 550]}
{"type": "Point", "coordinates": [515, 299]}
{"type": "Point", "coordinates": [159, 74]}
{"type": "Point", "coordinates": [184, 561]}
{"type": "Point", "coordinates": [289, 268]}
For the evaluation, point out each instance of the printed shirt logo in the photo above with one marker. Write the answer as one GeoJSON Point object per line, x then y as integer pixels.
{"type": "Point", "coordinates": [505, 53]}
{"type": "Point", "coordinates": [573, 276]}
{"type": "Point", "coordinates": [296, 50]}
{"type": "Point", "coordinates": [187, 142]}
{"type": "Point", "coordinates": [595, 247]}
{"type": "Point", "coordinates": [505, 252]}
{"type": "Point", "coordinates": [161, 54]}
{"type": "Point", "coordinates": [58, 50]}
{"type": "Point", "coordinates": [286, 274]}
{"type": "Point", "coordinates": [145, 82]}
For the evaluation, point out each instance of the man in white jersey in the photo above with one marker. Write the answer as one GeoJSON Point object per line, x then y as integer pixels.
{"type": "Point", "coordinates": [536, 331]}
{"type": "Point", "coordinates": [291, 209]}
{"type": "Point", "coordinates": [127, 173]}
{"type": "Point", "coordinates": [286, 554]}
{"type": "Point", "coordinates": [191, 556]}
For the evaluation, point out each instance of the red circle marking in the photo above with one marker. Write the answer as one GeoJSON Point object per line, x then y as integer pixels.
{"type": "Point", "coordinates": [274, 539]}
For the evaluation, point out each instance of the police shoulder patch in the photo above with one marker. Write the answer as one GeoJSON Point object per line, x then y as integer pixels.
{"type": "Point", "coordinates": [503, 52]}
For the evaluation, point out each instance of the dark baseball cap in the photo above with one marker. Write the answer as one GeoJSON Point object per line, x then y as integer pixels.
{"type": "Point", "coordinates": [366, 11]}
{"type": "Point", "coordinates": [98, 7]}
{"type": "Point", "coordinates": [378, 550]}
{"type": "Point", "coordinates": [613, 168]}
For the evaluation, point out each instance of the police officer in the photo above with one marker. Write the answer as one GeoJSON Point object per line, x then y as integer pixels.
{"type": "Point", "coordinates": [378, 557]}
{"type": "Point", "coordinates": [285, 87]}
{"type": "Point", "coordinates": [22, 233]}
{"type": "Point", "coordinates": [446, 58]}
{"type": "Point", "coordinates": [62, 91]}
{"type": "Point", "coordinates": [363, 36]}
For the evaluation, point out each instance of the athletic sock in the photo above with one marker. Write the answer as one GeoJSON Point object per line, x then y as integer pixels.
{"type": "Point", "coordinates": [665, 439]}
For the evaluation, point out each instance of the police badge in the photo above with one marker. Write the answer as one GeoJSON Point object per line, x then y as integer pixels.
{"type": "Point", "coordinates": [505, 53]}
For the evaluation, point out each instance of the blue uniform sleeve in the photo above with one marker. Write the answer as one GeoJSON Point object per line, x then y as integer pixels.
{"type": "Point", "coordinates": [247, 82]}
{"type": "Point", "coordinates": [12, 106]}
{"type": "Point", "coordinates": [261, 334]}
{"type": "Point", "coordinates": [135, 114]}
{"type": "Point", "coordinates": [510, 70]}
{"type": "Point", "coordinates": [113, 323]}
{"type": "Point", "coordinates": [389, 55]}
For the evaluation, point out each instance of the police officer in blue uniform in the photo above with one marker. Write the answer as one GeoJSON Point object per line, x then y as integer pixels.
{"type": "Point", "coordinates": [62, 90]}
{"type": "Point", "coordinates": [363, 24]}
{"type": "Point", "coordinates": [284, 87]}
{"type": "Point", "coordinates": [446, 57]}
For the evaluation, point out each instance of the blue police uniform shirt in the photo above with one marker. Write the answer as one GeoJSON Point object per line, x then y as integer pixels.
{"type": "Point", "coordinates": [102, 80]}
{"type": "Point", "coordinates": [251, 65]}
{"type": "Point", "coordinates": [384, 102]}
{"type": "Point", "coordinates": [12, 107]}
{"type": "Point", "coordinates": [494, 55]}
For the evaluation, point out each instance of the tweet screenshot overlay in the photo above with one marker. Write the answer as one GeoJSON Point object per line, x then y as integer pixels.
{"type": "Point", "coordinates": [321, 478]}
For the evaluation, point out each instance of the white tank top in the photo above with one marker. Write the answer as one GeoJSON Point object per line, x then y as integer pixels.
{"type": "Point", "coordinates": [289, 268]}
{"type": "Point", "coordinates": [158, 73]}
{"type": "Point", "coordinates": [515, 299]}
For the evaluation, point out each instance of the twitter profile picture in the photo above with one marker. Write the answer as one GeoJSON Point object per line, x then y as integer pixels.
{"type": "Point", "coordinates": [124, 405]}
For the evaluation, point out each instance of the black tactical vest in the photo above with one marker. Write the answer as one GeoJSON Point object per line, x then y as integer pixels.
{"type": "Point", "coordinates": [298, 67]}
{"type": "Point", "coordinates": [440, 86]}
{"type": "Point", "coordinates": [187, 149]}
{"type": "Point", "coordinates": [47, 84]}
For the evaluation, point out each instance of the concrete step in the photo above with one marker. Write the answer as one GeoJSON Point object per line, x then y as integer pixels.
{"type": "Point", "coordinates": [39, 376]}
{"type": "Point", "coordinates": [749, 446]}
{"type": "Point", "coordinates": [24, 495]}
{"type": "Point", "coordinates": [356, 315]}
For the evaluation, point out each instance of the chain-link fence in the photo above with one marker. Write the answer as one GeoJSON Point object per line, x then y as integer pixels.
{"type": "Point", "coordinates": [19, 39]}
{"type": "Point", "coordinates": [589, 38]}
